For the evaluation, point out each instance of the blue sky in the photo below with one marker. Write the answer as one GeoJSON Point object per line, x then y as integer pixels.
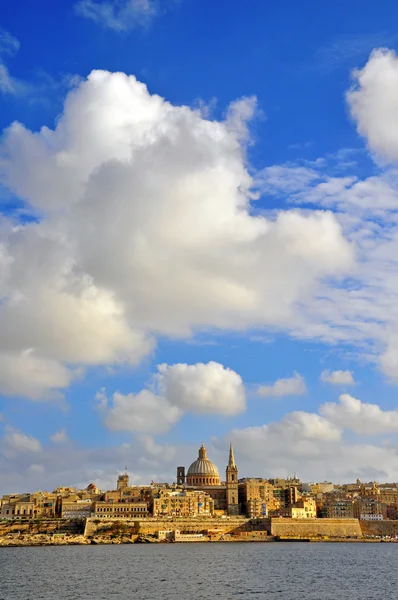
{"type": "Point", "coordinates": [210, 257]}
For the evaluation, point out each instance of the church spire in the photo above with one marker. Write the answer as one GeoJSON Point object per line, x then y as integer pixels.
{"type": "Point", "coordinates": [231, 462]}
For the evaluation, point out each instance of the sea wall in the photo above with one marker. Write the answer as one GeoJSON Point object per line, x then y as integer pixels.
{"type": "Point", "coordinates": [312, 528]}
{"type": "Point", "coordinates": [382, 528]}
{"type": "Point", "coordinates": [151, 526]}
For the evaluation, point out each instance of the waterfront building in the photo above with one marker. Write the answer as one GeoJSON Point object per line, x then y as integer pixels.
{"type": "Point", "coordinates": [304, 509]}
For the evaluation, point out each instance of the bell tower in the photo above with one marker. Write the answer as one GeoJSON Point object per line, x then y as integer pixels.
{"type": "Point", "coordinates": [180, 475]}
{"type": "Point", "coordinates": [231, 478]}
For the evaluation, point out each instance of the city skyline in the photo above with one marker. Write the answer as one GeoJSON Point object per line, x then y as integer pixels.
{"type": "Point", "coordinates": [200, 492]}
{"type": "Point", "coordinates": [197, 240]}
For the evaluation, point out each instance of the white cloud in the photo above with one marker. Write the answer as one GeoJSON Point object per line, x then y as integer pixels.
{"type": "Point", "coordinates": [278, 179]}
{"type": "Point", "coordinates": [338, 377]}
{"type": "Point", "coordinates": [360, 417]}
{"type": "Point", "coordinates": [290, 386]}
{"type": "Point", "coordinates": [389, 358]}
{"type": "Point", "coordinates": [8, 43]}
{"type": "Point", "coordinates": [119, 15]}
{"type": "Point", "coordinates": [155, 451]}
{"type": "Point", "coordinates": [239, 114]}
{"type": "Point", "coordinates": [147, 228]}
{"type": "Point", "coordinates": [202, 388]}
{"type": "Point", "coordinates": [175, 389]}
{"type": "Point", "coordinates": [59, 437]}
{"type": "Point", "coordinates": [314, 447]}
{"type": "Point", "coordinates": [373, 103]}
{"type": "Point", "coordinates": [143, 412]}
{"type": "Point", "coordinates": [24, 374]}
{"type": "Point", "coordinates": [7, 83]}
{"type": "Point", "coordinates": [15, 442]}
{"type": "Point", "coordinates": [70, 464]}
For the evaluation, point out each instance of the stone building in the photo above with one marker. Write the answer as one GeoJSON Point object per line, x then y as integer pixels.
{"type": "Point", "coordinates": [231, 483]}
{"type": "Point", "coordinates": [304, 509]}
{"type": "Point", "coordinates": [256, 497]}
{"type": "Point", "coordinates": [285, 494]}
{"type": "Point", "coordinates": [202, 471]}
{"type": "Point", "coordinates": [367, 508]}
{"type": "Point", "coordinates": [78, 509]}
{"type": "Point", "coordinates": [335, 507]}
{"type": "Point", "coordinates": [122, 510]}
{"type": "Point", "coordinates": [24, 509]}
{"type": "Point", "coordinates": [203, 475]}
{"type": "Point", "coordinates": [182, 503]}
{"type": "Point", "coordinates": [123, 481]}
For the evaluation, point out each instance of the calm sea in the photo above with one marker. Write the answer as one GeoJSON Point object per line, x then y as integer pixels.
{"type": "Point", "coordinates": [201, 571]}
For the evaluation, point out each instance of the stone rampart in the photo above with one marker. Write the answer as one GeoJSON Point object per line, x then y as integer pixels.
{"type": "Point", "coordinates": [153, 525]}
{"type": "Point", "coordinates": [382, 528]}
{"type": "Point", "coordinates": [312, 528]}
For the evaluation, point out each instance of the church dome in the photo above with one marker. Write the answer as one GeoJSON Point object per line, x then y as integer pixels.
{"type": "Point", "coordinates": [203, 471]}
{"type": "Point", "coordinates": [203, 466]}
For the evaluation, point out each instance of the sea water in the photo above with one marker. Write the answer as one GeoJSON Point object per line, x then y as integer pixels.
{"type": "Point", "coordinates": [312, 571]}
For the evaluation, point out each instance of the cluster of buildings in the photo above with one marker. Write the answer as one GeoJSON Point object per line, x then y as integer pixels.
{"type": "Point", "coordinates": [199, 491]}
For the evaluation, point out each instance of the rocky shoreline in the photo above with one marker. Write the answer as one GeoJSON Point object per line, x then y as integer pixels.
{"type": "Point", "coordinates": [81, 540]}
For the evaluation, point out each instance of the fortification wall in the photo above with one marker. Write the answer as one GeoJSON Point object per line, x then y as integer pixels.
{"type": "Point", "coordinates": [374, 528]}
{"type": "Point", "coordinates": [152, 526]}
{"type": "Point", "coordinates": [308, 528]}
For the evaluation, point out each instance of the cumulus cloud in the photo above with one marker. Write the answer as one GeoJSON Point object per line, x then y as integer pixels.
{"type": "Point", "coordinates": [143, 412]}
{"type": "Point", "coordinates": [290, 386]}
{"type": "Point", "coordinates": [146, 228]}
{"type": "Point", "coordinates": [202, 388]}
{"type": "Point", "coordinates": [360, 417]}
{"type": "Point", "coordinates": [239, 114]}
{"type": "Point", "coordinates": [359, 311]}
{"type": "Point", "coordinates": [373, 102]}
{"type": "Point", "coordinates": [175, 389]}
{"type": "Point", "coordinates": [119, 15]}
{"type": "Point", "coordinates": [36, 378]}
{"type": "Point", "coordinates": [338, 377]}
{"type": "Point", "coordinates": [314, 447]}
